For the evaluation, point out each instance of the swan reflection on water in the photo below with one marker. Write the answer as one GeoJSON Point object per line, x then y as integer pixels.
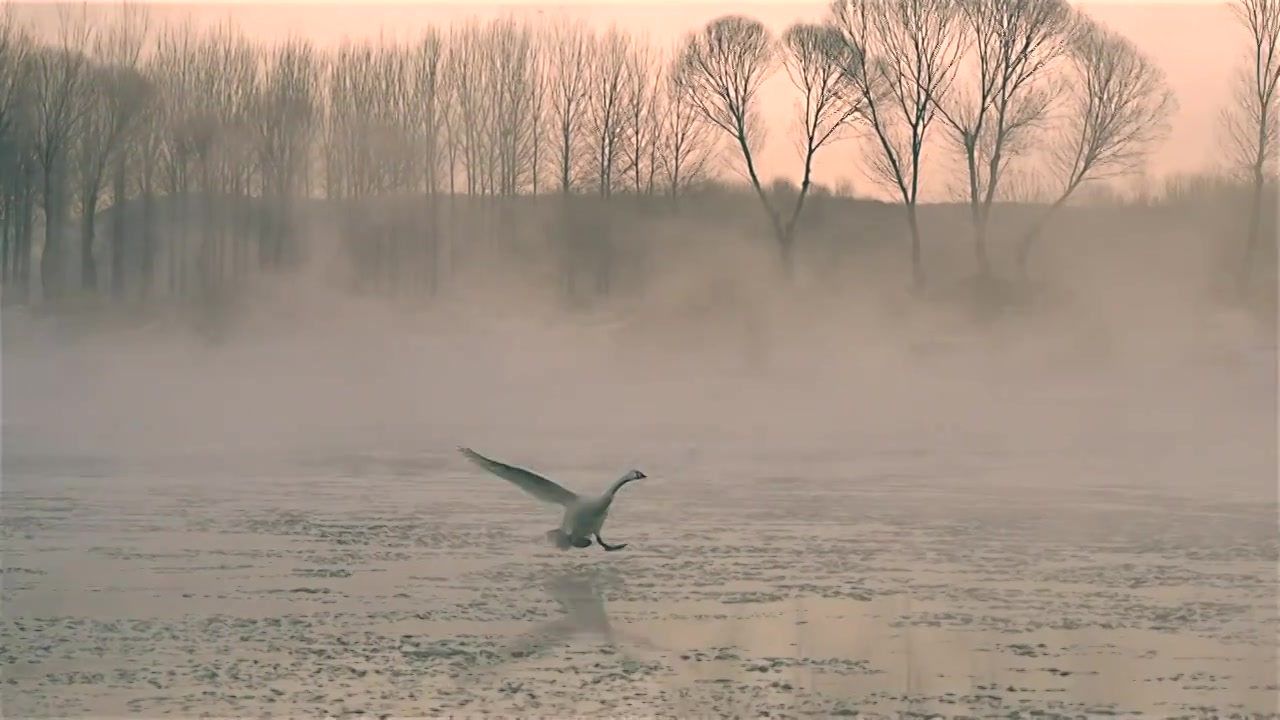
{"type": "Point", "coordinates": [580, 595]}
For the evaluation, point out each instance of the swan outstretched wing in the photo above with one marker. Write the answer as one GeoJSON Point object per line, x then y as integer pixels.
{"type": "Point", "coordinates": [531, 482]}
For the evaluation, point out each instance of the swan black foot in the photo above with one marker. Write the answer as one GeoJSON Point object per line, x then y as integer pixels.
{"type": "Point", "coordinates": [607, 546]}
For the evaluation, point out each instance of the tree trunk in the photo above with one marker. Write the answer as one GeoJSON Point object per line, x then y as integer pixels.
{"type": "Point", "coordinates": [433, 246]}
{"type": "Point", "coordinates": [205, 268]}
{"type": "Point", "coordinates": [148, 251]}
{"type": "Point", "coordinates": [1254, 232]}
{"type": "Point", "coordinates": [179, 237]}
{"type": "Point", "coordinates": [7, 226]}
{"type": "Point", "coordinates": [50, 260]}
{"type": "Point", "coordinates": [25, 227]}
{"type": "Point", "coordinates": [1032, 235]}
{"type": "Point", "coordinates": [266, 227]}
{"type": "Point", "coordinates": [779, 232]}
{"type": "Point", "coordinates": [88, 267]}
{"type": "Point", "coordinates": [118, 193]}
{"type": "Point", "coordinates": [980, 244]}
{"type": "Point", "coordinates": [786, 253]}
{"type": "Point", "coordinates": [787, 237]}
{"type": "Point", "coordinates": [978, 211]}
{"type": "Point", "coordinates": [282, 242]}
{"type": "Point", "coordinates": [917, 261]}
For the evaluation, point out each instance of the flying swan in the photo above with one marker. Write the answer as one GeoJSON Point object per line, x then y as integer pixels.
{"type": "Point", "coordinates": [583, 516]}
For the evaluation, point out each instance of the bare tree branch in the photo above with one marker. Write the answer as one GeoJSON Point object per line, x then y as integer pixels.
{"type": "Point", "coordinates": [469, 78]}
{"type": "Point", "coordinates": [720, 69]}
{"type": "Point", "coordinates": [816, 58]}
{"type": "Point", "coordinates": [431, 101]}
{"type": "Point", "coordinates": [228, 68]}
{"type": "Point", "coordinates": [285, 114]}
{"type": "Point", "coordinates": [571, 49]}
{"type": "Point", "coordinates": [606, 113]}
{"type": "Point", "coordinates": [1009, 85]}
{"type": "Point", "coordinates": [16, 206]}
{"type": "Point", "coordinates": [1252, 123]}
{"type": "Point", "coordinates": [117, 96]}
{"type": "Point", "coordinates": [174, 70]}
{"type": "Point", "coordinates": [688, 145]}
{"type": "Point", "coordinates": [512, 47]}
{"type": "Point", "coordinates": [642, 108]}
{"type": "Point", "coordinates": [538, 100]}
{"type": "Point", "coordinates": [1118, 108]}
{"type": "Point", "coordinates": [910, 54]}
{"type": "Point", "coordinates": [15, 50]}
{"type": "Point", "coordinates": [61, 85]}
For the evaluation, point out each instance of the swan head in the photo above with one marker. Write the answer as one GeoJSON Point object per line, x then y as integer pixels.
{"type": "Point", "coordinates": [631, 475]}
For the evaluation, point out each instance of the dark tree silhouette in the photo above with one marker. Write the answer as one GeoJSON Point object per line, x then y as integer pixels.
{"type": "Point", "coordinates": [61, 87]}
{"type": "Point", "coordinates": [16, 160]}
{"type": "Point", "coordinates": [816, 58]}
{"type": "Point", "coordinates": [117, 95]}
{"type": "Point", "coordinates": [1008, 82]}
{"type": "Point", "coordinates": [687, 147]}
{"type": "Point", "coordinates": [284, 117]}
{"type": "Point", "coordinates": [571, 54]}
{"type": "Point", "coordinates": [910, 53]}
{"type": "Point", "coordinates": [207, 152]}
{"type": "Point", "coordinates": [1117, 109]}
{"type": "Point", "coordinates": [719, 70]}
{"type": "Point", "coordinates": [1252, 123]}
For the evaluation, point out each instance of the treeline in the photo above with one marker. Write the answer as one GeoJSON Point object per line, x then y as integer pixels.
{"type": "Point", "coordinates": [204, 157]}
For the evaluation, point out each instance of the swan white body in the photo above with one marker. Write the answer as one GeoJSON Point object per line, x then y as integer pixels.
{"type": "Point", "coordinates": [583, 516]}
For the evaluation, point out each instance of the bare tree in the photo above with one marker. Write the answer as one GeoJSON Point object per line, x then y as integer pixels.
{"type": "Point", "coordinates": [720, 69]}
{"type": "Point", "coordinates": [429, 98]}
{"type": "Point", "coordinates": [571, 49]}
{"type": "Point", "coordinates": [431, 101]}
{"type": "Point", "coordinates": [15, 156]}
{"type": "Point", "coordinates": [491, 143]}
{"type": "Point", "coordinates": [15, 49]}
{"type": "Point", "coordinates": [686, 144]}
{"type": "Point", "coordinates": [350, 103]}
{"type": "Point", "coordinates": [1252, 123]}
{"type": "Point", "coordinates": [1118, 108]}
{"type": "Point", "coordinates": [229, 66]}
{"type": "Point", "coordinates": [511, 47]}
{"type": "Point", "coordinates": [285, 117]}
{"type": "Point", "coordinates": [816, 57]}
{"type": "Point", "coordinates": [61, 85]}
{"type": "Point", "coordinates": [174, 69]}
{"type": "Point", "coordinates": [242, 63]}
{"type": "Point", "coordinates": [606, 105]}
{"type": "Point", "coordinates": [642, 108]}
{"type": "Point", "coordinates": [389, 134]}
{"type": "Point", "coordinates": [396, 161]}
{"type": "Point", "coordinates": [452, 77]}
{"type": "Point", "coordinates": [116, 97]}
{"type": "Point", "coordinates": [468, 70]}
{"type": "Point", "coordinates": [910, 52]}
{"type": "Point", "coordinates": [1015, 46]}
{"type": "Point", "coordinates": [538, 88]}
{"type": "Point", "coordinates": [355, 124]}
{"type": "Point", "coordinates": [149, 146]}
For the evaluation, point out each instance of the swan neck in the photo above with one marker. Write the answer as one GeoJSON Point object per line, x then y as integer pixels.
{"type": "Point", "coordinates": [613, 489]}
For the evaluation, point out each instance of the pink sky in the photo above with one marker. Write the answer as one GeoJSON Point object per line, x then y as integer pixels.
{"type": "Point", "coordinates": [1196, 44]}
